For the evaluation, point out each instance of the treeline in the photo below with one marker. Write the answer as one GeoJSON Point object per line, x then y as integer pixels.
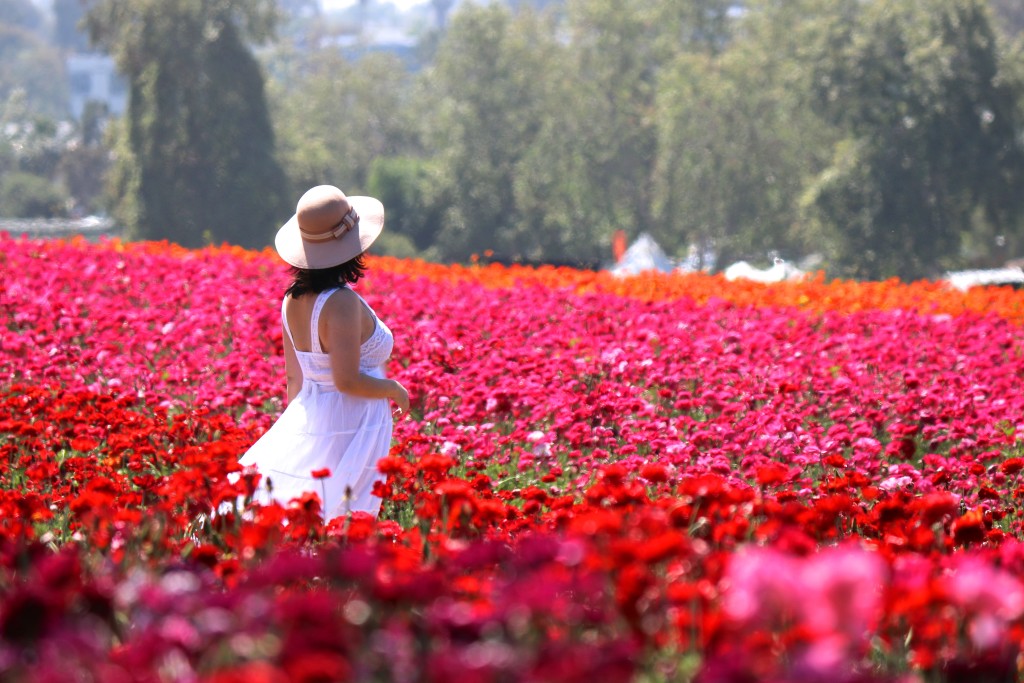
{"type": "Point", "coordinates": [886, 136]}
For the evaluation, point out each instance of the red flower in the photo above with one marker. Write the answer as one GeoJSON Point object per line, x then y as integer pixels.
{"type": "Point", "coordinates": [391, 465]}
{"type": "Point", "coordinates": [654, 472]}
{"type": "Point", "coordinates": [308, 502]}
{"type": "Point", "coordinates": [1012, 465]}
{"type": "Point", "coordinates": [321, 473]}
{"type": "Point", "coordinates": [834, 460]}
{"type": "Point", "coordinates": [436, 464]}
{"type": "Point", "coordinates": [970, 528]}
{"type": "Point", "coordinates": [83, 444]}
{"type": "Point", "coordinates": [249, 672]}
{"type": "Point", "coordinates": [771, 474]}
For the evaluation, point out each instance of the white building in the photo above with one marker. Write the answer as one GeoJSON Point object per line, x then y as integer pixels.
{"type": "Point", "coordinates": [94, 78]}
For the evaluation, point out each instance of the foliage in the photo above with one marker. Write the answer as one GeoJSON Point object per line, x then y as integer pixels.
{"type": "Point", "coordinates": [933, 135]}
{"type": "Point", "coordinates": [408, 188]}
{"type": "Point", "coordinates": [731, 140]}
{"type": "Point", "coordinates": [534, 131]}
{"type": "Point", "coordinates": [333, 117]}
{"type": "Point", "coordinates": [24, 195]}
{"type": "Point", "coordinates": [32, 70]}
{"type": "Point", "coordinates": [737, 140]}
{"type": "Point", "coordinates": [33, 154]}
{"type": "Point", "coordinates": [486, 94]}
{"type": "Point", "coordinates": [195, 154]}
{"type": "Point", "coordinates": [731, 159]}
{"type": "Point", "coordinates": [82, 169]}
{"type": "Point", "coordinates": [31, 145]}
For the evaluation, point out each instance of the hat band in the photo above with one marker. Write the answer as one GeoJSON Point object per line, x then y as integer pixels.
{"type": "Point", "coordinates": [348, 221]}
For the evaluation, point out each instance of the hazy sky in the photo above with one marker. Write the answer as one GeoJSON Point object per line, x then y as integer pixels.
{"type": "Point", "coordinates": [338, 4]}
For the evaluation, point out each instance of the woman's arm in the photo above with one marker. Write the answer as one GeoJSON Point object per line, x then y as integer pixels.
{"type": "Point", "coordinates": [344, 337]}
{"type": "Point", "coordinates": [292, 368]}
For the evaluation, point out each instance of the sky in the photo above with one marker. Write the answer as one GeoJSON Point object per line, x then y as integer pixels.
{"type": "Point", "coordinates": [341, 4]}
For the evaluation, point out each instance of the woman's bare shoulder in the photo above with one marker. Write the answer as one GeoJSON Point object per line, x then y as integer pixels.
{"type": "Point", "coordinates": [343, 304]}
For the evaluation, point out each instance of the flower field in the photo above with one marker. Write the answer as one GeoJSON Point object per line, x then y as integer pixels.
{"type": "Point", "coordinates": [663, 478]}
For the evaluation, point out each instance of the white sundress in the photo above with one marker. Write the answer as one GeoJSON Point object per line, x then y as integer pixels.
{"type": "Point", "coordinates": [325, 428]}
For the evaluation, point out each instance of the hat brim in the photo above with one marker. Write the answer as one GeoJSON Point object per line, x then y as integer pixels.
{"type": "Point", "coordinates": [316, 255]}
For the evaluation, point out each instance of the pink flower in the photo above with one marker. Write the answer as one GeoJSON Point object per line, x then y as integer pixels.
{"type": "Point", "coordinates": [843, 591]}
{"type": "Point", "coordinates": [833, 598]}
{"type": "Point", "coordinates": [990, 598]}
{"type": "Point", "coordinates": [762, 588]}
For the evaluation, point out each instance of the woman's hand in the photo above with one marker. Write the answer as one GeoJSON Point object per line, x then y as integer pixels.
{"type": "Point", "coordinates": [401, 397]}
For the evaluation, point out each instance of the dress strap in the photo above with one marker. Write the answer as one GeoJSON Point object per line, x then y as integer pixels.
{"type": "Point", "coordinates": [284, 321]}
{"type": "Point", "coordinates": [314, 320]}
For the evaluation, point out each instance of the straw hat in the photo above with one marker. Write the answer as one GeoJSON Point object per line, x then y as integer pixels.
{"type": "Point", "coordinates": [329, 228]}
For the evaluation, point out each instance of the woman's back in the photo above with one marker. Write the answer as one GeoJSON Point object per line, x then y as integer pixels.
{"type": "Point", "coordinates": [307, 319]}
{"type": "Point", "coordinates": [298, 315]}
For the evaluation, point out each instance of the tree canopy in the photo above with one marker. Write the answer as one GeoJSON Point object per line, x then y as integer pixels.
{"type": "Point", "coordinates": [884, 136]}
{"type": "Point", "coordinates": [195, 152]}
{"type": "Point", "coordinates": [931, 135]}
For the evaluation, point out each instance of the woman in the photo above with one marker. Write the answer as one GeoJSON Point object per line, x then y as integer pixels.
{"type": "Point", "coordinates": [338, 421]}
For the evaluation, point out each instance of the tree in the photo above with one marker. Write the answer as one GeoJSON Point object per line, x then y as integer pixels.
{"type": "Point", "coordinates": [543, 121]}
{"type": "Point", "coordinates": [406, 187]}
{"type": "Point", "coordinates": [441, 9]}
{"type": "Point", "coordinates": [737, 140]}
{"type": "Point", "coordinates": [24, 195]}
{"type": "Point", "coordinates": [485, 96]}
{"type": "Point", "coordinates": [28, 65]}
{"type": "Point", "coordinates": [34, 143]}
{"type": "Point", "coordinates": [195, 153]}
{"type": "Point", "coordinates": [593, 168]}
{"type": "Point", "coordinates": [725, 173]}
{"type": "Point", "coordinates": [335, 117]}
{"type": "Point", "coordinates": [931, 136]}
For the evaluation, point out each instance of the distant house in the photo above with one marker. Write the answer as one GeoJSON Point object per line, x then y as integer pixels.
{"type": "Point", "coordinates": [94, 78]}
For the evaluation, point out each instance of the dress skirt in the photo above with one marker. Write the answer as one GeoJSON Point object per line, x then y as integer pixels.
{"type": "Point", "coordinates": [323, 428]}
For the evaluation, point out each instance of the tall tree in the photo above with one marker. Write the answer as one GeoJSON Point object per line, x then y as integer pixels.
{"type": "Point", "coordinates": [195, 152]}
{"type": "Point", "coordinates": [614, 60]}
{"type": "Point", "coordinates": [485, 95]}
{"type": "Point", "coordinates": [737, 140]}
{"type": "Point", "coordinates": [932, 135]}
{"type": "Point", "coordinates": [441, 9]}
{"type": "Point", "coordinates": [544, 121]}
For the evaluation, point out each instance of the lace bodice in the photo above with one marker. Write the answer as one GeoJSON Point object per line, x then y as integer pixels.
{"type": "Point", "coordinates": [316, 365]}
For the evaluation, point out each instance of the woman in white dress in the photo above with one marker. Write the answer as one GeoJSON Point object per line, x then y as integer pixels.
{"type": "Point", "coordinates": [338, 421]}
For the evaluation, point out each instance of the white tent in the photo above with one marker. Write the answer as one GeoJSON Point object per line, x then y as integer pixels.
{"type": "Point", "coordinates": [965, 279]}
{"type": "Point", "coordinates": [643, 255]}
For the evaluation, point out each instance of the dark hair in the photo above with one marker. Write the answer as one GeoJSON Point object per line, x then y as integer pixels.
{"type": "Point", "coordinates": [316, 281]}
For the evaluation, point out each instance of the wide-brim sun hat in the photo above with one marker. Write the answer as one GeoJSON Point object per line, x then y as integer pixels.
{"type": "Point", "coordinates": [329, 228]}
